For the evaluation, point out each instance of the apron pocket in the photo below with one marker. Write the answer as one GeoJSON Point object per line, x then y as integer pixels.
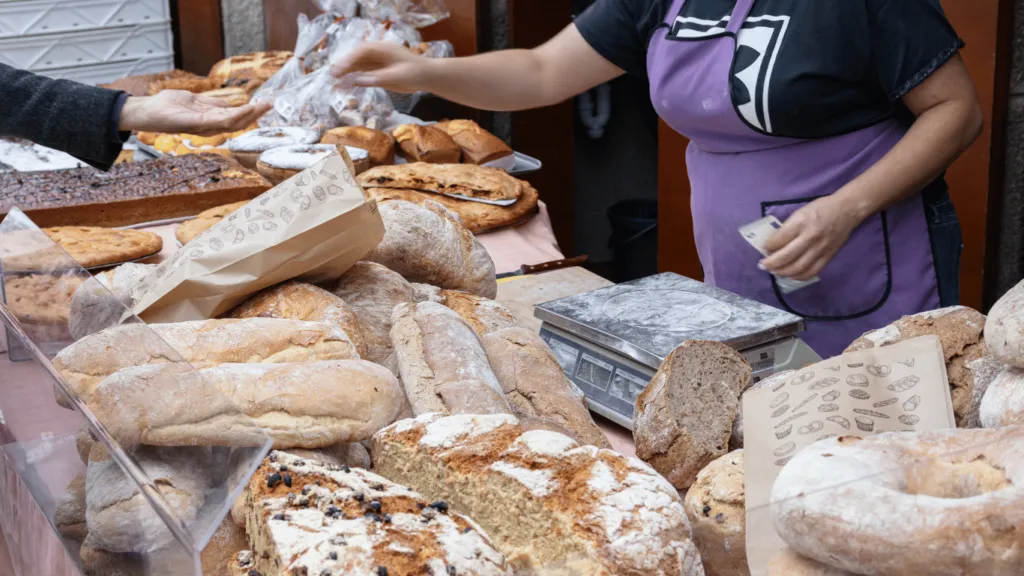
{"type": "Point", "coordinates": [855, 283]}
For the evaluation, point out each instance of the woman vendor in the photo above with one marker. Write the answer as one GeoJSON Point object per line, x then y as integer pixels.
{"type": "Point", "coordinates": [838, 117]}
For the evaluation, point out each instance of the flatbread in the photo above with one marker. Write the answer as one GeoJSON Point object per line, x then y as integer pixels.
{"type": "Point", "coordinates": [91, 247]}
{"type": "Point", "coordinates": [467, 180]}
{"type": "Point", "coordinates": [477, 217]}
{"type": "Point", "coordinates": [191, 229]}
{"type": "Point", "coordinates": [41, 298]}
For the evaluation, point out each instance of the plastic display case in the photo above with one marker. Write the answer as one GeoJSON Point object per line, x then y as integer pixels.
{"type": "Point", "coordinates": [137, 516]}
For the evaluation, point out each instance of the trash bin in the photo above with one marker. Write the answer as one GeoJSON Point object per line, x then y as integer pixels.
{"type": "Point", "coordinates": [634, 239]}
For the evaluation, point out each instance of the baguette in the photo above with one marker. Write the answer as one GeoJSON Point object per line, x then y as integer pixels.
{"type": "Point", "coordinates": [444, 368]}
{"type": "Point", "coordinates": [550, 505]}
{"type": "Point", "coordinates": [478, 145]}
{"type": "Point", "coordinates": [265, 340]}
{"type": "Point", "coordinates": [536, 386]}
{"type": "Point", "coordinates": [425, 244]}
{"type": "Point", "coordinates": [307, 405]}
{"type": "Point", "coordinates": [300, 301]}
{"type": "Point", "coordinates": [427, 144]}
{"type": "Point", "coordinates": [373, 291]}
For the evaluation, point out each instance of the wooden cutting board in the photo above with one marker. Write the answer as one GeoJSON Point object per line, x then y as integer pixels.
{"type": "Point", "coordinates": [522, 293]}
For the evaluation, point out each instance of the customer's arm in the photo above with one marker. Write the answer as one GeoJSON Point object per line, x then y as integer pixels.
{"type": "Point", "coordinates": [92, 123]}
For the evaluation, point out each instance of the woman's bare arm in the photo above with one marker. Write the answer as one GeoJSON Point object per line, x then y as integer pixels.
{"type": "Point", "coordinates": [949, 120]}
{"type": "Point", "coordinates": [503, 81]}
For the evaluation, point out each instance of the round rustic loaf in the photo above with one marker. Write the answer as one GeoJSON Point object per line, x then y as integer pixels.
{"type": "Point", "coordinates": [300, 301]}
{"type": "Point", "coordinates": [907, 503]}
{"type": "Point", "coordinates": [373, 291]}
{"type": "Point", "coordinates": [1004, 331]}
{"type": "Point", "coordinates": [1003, 404]}
{"type": "Point", "coordinates": [716, 507]}
{"type": "Point", "coordinates": [424, 243]}
{"type": "Point", "coordinates": [684, 418]}
{"type": "Point", "coordinates": [960, 330]}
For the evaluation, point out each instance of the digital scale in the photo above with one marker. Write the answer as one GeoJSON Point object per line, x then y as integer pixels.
{"type": "Point", "coordinates": [611, 341]}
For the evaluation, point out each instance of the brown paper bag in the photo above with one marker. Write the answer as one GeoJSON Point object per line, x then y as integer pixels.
{"type": "Point", "coordinates": [313, 226]}
{"type": "Point", "coordinates": [903, 387]}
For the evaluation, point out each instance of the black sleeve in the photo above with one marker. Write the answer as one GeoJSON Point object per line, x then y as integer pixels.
{"type": "Point", "coordinates": [67, 116]}
{"type": "Point", "coordinates": [619, 31]}
{"type": "Point", "coordinates": [910, 39]}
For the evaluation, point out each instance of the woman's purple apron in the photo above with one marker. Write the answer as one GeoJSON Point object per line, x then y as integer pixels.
{"type": "Point", "coordinates": [739, 175]}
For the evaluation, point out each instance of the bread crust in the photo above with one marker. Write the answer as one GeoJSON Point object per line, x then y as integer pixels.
{"type": "Point", "coordinates": [380, 145]}
{"type": "Point", "coordinates": [716, 507]}
{"type": "Point", "coordinates": [478, 145]}
{"type": "Point", "coordinates": [478, 217]}
{"type": "Point", "coordinates": [463, 179]}
{"type": "Point", "coordinates": [427, 144]}
{"type": "Point", "coordinates": [373, 291]}
{"type": "Point", "coordinates": [684, 418]}
{"type": "Point", "coordinates": [426, 244]}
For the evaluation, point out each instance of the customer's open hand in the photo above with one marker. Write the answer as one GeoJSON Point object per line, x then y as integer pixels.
{"type": "Point", "coordinates": [181, 112]}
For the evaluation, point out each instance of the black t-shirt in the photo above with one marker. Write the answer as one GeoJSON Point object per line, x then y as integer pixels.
{"type": "Point", "coordinates": [832, 66]}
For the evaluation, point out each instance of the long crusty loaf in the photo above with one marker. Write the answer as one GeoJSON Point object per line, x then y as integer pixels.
{"type": "Point", "coordinates": [683, 419]}
{"type": "Point", "coordinates": [716, 507]}
{"type": "Point", "coordinates": [373, 291]}
{"type": "Point", "coordinates": [444, 368]}
{"type": "Point", "coordinates": [265, 340]}
{"type": "Point", "coordinates": [101, 302]}
{"type": "Point", "coordinates": [535, 384]}
{"type": "Point", "coordinates": [425, 244]}
{"type": "Point", "coordinates": [121, 519]}
{"type": "Point", "coordinates": [961, 332]}
{"type": "Point", "coordinates": [545, 500]}
{"type": "Point", "coordinates": [69, 517]}
{"type": "Point", "coordinates": [300, 301]}
{"type": "Point", "coordinates": [482, 314]}
{"type": "Point", "coordinates": [299, 405]}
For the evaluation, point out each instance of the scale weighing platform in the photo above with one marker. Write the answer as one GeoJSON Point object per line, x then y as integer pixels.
{"type": "Point", "coordinates": [611, 341]}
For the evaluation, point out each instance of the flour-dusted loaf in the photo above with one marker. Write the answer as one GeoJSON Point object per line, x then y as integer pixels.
{"type": "Point", "coordinates": [789, 563]}
{"type": "Point", "coordinates": [1004, 331]}
{"type": "Point", "coordinates": [443, 365]}
{"type": "Point", "coordinates": [373, 291]}
{"type": "Point", "coordinates": [536, 386]}
{"type": "Point", "coordinates": [716, 507]}
{"type": "Point", "coordinates": [300, 301]}
{"type": "Point", "coordinates": [483, 314]}
{"type": "Point", "coordinates": [960, 329]}
{"type": "Point", "coordinates": [120, 518]}
{"type": "Point", "coordinates": [69, 517]}
{"type": "Point", "coordinates": [102, 302]}
{"type": "Point", "coordinates": [736, 440]}
{"type": "Point", "coordinates": [84, 443]}
{"type": "Point", "coordinates": [684, 418]}
{"type": "Point", "coordinates": [87, 362]}
{"type": "Point", "coordinates": [306, 518]}
{"type": "Point", "coordinates": [298, 405]}
{"type": "Point", "coordinates": [1003, 404]}
{"type": "Point", "coordinates": [424, 243]}
{"type": "Point", "coordinates": [545, 500]}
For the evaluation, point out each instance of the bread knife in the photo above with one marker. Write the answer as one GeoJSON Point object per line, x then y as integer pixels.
{"type": "Point", "coordinates": [546, 267]}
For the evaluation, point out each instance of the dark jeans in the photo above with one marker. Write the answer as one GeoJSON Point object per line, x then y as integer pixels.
{"type": "Point", "coordinates": [947, 241]}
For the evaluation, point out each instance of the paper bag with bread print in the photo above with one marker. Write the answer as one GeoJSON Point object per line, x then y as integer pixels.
{"type": "Point", "coordinates": [903, 387]}
{"type": "Point", "coordinates": [313, 226]}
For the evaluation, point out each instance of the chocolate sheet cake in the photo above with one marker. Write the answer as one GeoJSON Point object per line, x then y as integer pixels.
{"type": "Point", "coordinates": [130, 193]}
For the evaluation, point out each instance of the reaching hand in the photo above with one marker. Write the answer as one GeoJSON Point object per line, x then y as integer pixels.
{"type": "Point", "coordinates": [809, 239]}
{"type": "Point", "coordinates": [384, 65]}
{"type": "Point", "coordinates": [180, 112]}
